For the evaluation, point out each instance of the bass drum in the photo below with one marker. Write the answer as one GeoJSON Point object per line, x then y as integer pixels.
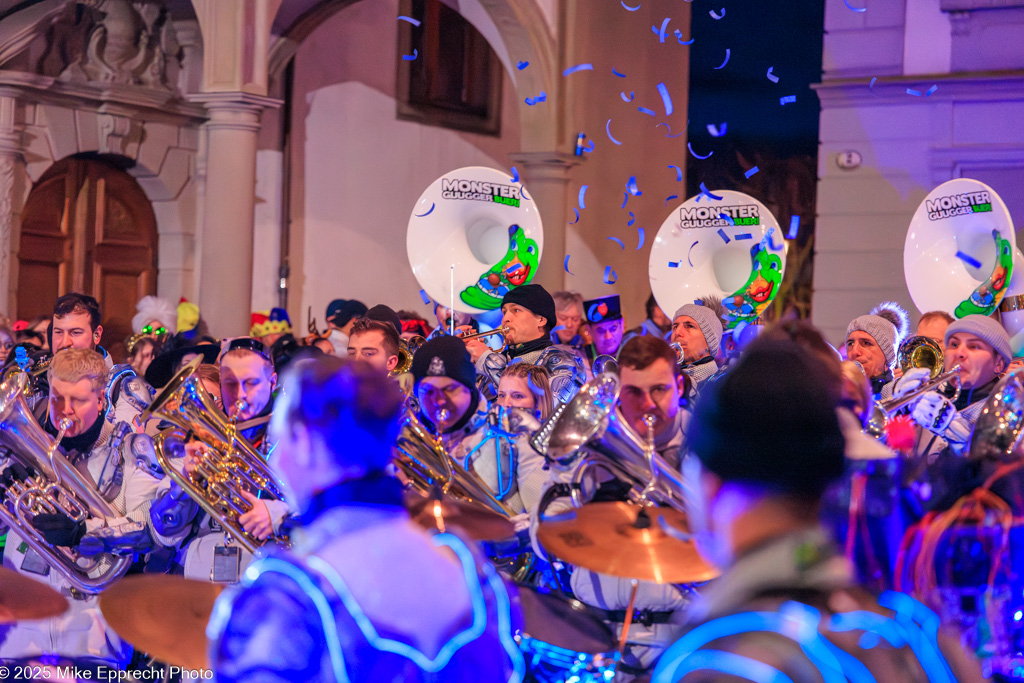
{"type": "Point", "coordinates": [562, 641]}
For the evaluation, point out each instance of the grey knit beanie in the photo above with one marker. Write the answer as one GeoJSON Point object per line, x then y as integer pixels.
{"type": "Point", "coordinates": [985, 329]}
{"type": "Point", "coordinates": [708, 321]}
{"type": "Point", "coordinates": [879, 329]}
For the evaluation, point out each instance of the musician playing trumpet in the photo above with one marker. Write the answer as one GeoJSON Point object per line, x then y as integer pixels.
{"type": "Point", "coordinates": [104, 452]}
{"type": "Point", "coordinates": [697, 329]}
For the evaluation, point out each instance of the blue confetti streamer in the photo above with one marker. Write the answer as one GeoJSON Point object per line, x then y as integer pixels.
{"type": "Point", "coordinates": [772, 77]}
{"type": "Point", "coordinates": [679, 37]}
{"type": "Point", "coordinates": [968, 259]}
{"type": "Point", "coordinates": [632, 220]}
{"type": "Point", "coordinates": [616, 73]}
{"type": "Point", "coordinates": [679, 173]}
{"type": "Point", "coordinates": [725, 238]}
{"type": "Point", "coordinates": [625, 198]}
{"type": "Point", "coordinates": [666, 99]}
{"type": "Point", "coordinates": [583, 195]}
{"type": "Point", "coordinates": [717, 131]}
{"type": "Point", "coordinates": [661, 33]}
{"type": "Point", "coordinates": [421, 215]}
{"type": "Point", "coordinates": [794, 227]}
{"type": "Point", "coordinates": [577, 212]}
{"type": "Point", "coordinates": [930, 90]}
{"type": "Point", "coordinates": [705, 193]}
{"type": "Point", "coordinates": [717, 15]}
{"type": "Point", "coordinates": [522, 191]}
{"type": "Point", "coordinates": [855, 9]}
{"type": "Point", "coordinates": [727, 218]}
{"type": "Point", "coordinates": [689, 252]}
{"type": "Point", "coordinates": [674, 264]}
{"type": "Point", "coordinates": [556, 328]}
{"type": "Point", "coordinates": [566, 265]}
{"type": "Point", "coordinates": [728, 53]}
{"type": "Point", "coordinates": [640, 238]}
{"type": "Point", "coordinates": [631, 9]}
{"type": "Point", "coordinates": [645, 110]}
{"type": "Point", "coordinates": [578, 67]}
{"type": "Point", "coordinates": [631, 186]}
{"type": "Point", "coordinates": [751, 172]}
{"type": "Point", "coordinates": [689, 146]}
{"type": "Point", "coordinates": [414, 22]}
{"type": "Point", "coordinates": [670, 198]}
{"type": "Point", "coordinates": [788, 99]}
{"type": "Point", "coordinates": [423, 295]}
{"type": "Point", "coordinates": [743, 236]}
{"type": "Point", "coordinates": [627, 99]}
{"type": "Point", "coordinates": [414, 55]}
{"type": "Point", "coordinates": [515, 175]}
{"type": "Point", "coordinates": [669, 133]}
{"type": "Point", "coordinates": [871, 85]}
{"type": "Point", "coordinates": [590, 147]}
{"type": "Point", "coordinates": [618, 242]}
{"type": "Point", "coordinates": [543, 96]}
{"type": "Point", "coordinates": [522, 65]}
{"type": "Point", "coordinates": [915, 93]}
{"type": "Point", "coordinates": [608, 130]}
{"type": "Point", "coordinates": [610, 276]}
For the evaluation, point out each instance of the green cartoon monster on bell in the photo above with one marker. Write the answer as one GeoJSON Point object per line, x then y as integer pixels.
{"type": "Point", "coordinates": [986, 297]}
{"type": "Point", "coordinates": [518, 267]}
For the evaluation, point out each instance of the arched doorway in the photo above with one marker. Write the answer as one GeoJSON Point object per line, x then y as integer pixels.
{"type": "Point", "coordinates": [88, 227]}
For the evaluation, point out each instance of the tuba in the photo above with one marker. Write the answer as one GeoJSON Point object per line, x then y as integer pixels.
{"type": "Point", "coordinates": [59, 487]}
{"type": "Point", "coordinates": [427, 465]}
{"type": "Point", "coordinates": [999, 428]}
{"type": "Point", "coordinates": [231, 465]}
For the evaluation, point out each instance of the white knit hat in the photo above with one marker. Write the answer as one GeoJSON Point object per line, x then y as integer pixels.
{"type": "Point", "coordinates": [708, 321]}
{"type": "Point", "coordinates": [154, 308]}
{"type": "Point", "coordinates": [882, 331]}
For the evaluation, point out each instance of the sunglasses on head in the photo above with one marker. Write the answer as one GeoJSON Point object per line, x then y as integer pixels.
{"type": "Point", "coordinates": [245, 344]}
{"type": "Point", "coordinates": [159, 331]}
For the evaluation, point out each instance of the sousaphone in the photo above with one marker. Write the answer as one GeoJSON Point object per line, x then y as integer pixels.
{"type": "Point", "coordinates": [481, 222]}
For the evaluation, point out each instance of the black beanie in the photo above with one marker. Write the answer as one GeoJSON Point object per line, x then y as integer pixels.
{"type": "Point", "coordinates": [444, 356]}
{"type": "Point", "coordinates": [535, 299]}
{"type": "Point", "coordinates": [382, 313]}
{"type": "Point", "coordinates": [771, 420]}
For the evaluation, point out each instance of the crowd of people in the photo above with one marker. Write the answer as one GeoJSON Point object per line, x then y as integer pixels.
{"type": "Point", "coordinates": [808, 514]}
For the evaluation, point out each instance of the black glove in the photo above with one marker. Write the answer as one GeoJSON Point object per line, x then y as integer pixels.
{"type": "Point", "coordinates": [16, 472]}
{"type": "Point", "coordinates": [59, 529]}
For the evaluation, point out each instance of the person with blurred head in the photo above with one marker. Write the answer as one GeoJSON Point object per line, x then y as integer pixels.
{"type": "Point", "coordinates": [413, 325]}
{"type": "Point", "coordinates": [528, 311]}
{"type": "Point", "coordinates": [6, 343]}
{"type": "Point", "coordinates": [652, 385]}
{"type": "Point", "coordinates": [697, 330]}
{"type": "Point", "coordinates": [873, 340]}
{"type": "Point", "coordinates": [787, 606]}
{"type": "Point", "coordinates": [156, 318]}
{"type": "Point", "coordinates": [933, 325]}
{"type": "Point", "coordinates": [446, 319]}
{"type": "Point", "coordinates": [104, 450]}
{"type": "Point", "coordinates": [374, 342]}
{"type": "Point", "coordinates": [341, 315]}
{"type": "Point", "coordinates": [604, 316]}
{"type": "Point", "coordinates": [317, 613]}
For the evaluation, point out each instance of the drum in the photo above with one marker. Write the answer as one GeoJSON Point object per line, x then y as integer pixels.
{"type": "Point", "coordinates": [562, 641]}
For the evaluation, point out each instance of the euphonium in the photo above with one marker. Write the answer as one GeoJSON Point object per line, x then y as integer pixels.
{"type": "Point", "coordinates": [59, 487]}
{"type": "Point", "coordinates": [427, 465]}
{"type": "Point", "coordinates": [921, 352]}
{"type": "Point", "coordinates": [407, 348]}
{"type": "Point", "coordinates": [231, 464]}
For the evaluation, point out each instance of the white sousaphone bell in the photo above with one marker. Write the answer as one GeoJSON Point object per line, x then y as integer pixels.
{"type": "Point", "coordinates": [960, 251]}
{"type": "Point", "coordinates": [476, 229]}
{"type": "Point", "coordinates": [729, 248]}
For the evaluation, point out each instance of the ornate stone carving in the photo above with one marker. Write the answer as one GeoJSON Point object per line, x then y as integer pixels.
{"type": "Point", "coordinates": [113, 41]}
{"type": "Point", "coordinates": [117, 133]}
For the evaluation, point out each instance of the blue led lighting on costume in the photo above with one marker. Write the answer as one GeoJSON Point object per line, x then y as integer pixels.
{"type": "Point", "coordinates": [726, 663]}
{"type": "Point", "coordinates": [911, 614]}
{"type": "Point", "coordinates": [504, 610]}
{"type": "Point", "coordinates": [870, 622]}
{"type": "Point", "coordinates": [503, 490]}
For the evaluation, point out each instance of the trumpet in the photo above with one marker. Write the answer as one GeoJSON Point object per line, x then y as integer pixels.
{"type": "Point", "coordinates": [882, 411]}
{"type": "Point", "coordinates": [503, 331]}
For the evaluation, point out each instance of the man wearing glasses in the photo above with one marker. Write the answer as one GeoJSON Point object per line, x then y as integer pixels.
{"type": "Point", "coordinates": [247, 383]}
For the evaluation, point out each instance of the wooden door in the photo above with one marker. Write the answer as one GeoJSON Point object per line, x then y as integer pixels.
{"type": "Point", "coordinates": [88, 227]}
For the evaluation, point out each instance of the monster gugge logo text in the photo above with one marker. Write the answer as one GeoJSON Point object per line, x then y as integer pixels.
{"type": "Point", "coordinates": [480, 191]}
{"type": "Point", "coordinates": [958, 205]}
{"type": "Point", "coordinates": [715, 216]}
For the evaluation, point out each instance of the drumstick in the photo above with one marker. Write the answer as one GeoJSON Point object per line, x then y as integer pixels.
{"type": "Point", "coordinates": [628, 620]}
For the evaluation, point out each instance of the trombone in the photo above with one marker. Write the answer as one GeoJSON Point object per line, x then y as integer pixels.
{"type": "Point", "coordinates": [503, 331]}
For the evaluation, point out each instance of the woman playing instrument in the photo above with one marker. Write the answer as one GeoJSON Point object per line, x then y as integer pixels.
{"type": "Point", "coordinates": [526, 386]}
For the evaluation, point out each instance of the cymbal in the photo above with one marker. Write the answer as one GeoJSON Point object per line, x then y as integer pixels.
{"type": "Point", "coordinates": [164, 616]}
{"type": "Point", "coordinates": [478, 522]}
{"type": "Point", "coordinates": [615, 539]}
{"type": "Point", "coordinates": [22, 598]}
{"type": "Point", "coordinates": [562, 622]}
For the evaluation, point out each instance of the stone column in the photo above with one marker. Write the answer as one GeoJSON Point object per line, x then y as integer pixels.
{"type": "Point", "coordinates": [545, 175]}
{"type": "Point", "coordinates": [226, 239]}
{"type": "Point", "coordinates": [13, 189]}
